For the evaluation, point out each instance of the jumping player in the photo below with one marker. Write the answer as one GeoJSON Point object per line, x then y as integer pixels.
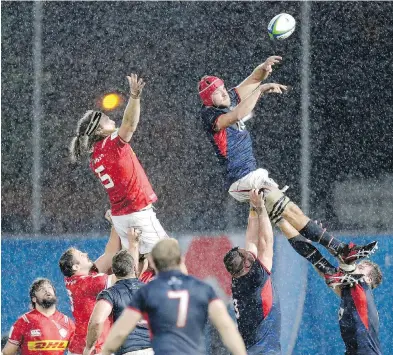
{"type": "Point", "coordinates": [43, 330]}
{"type": "Point", "coordinates": [358, 315]}
{"type": "Point", "coordinates": [255, 299]}
{"type": "Point", "coordinates": [176, 307]}
{"type": "Point", "coordinates": [223, 115]}
{"type": "Point", "coordinates": [117, 167]}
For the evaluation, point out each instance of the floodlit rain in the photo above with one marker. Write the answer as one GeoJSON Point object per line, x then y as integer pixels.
{"type": "Point", "coordinates": [328, 138]}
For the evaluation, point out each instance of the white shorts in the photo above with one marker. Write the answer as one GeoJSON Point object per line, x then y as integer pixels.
{"type": "Point", "coordinates": [255, 180]}
{"type": "Point", "coordinates": [148, 351]}
{"type": "Point", "coordinates": [144, 220]}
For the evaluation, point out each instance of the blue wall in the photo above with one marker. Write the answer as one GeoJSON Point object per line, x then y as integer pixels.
{"type": "Point", "coordinates": [23, 260]}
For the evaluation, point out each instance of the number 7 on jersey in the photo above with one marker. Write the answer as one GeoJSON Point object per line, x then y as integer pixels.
{"type": "Point", "coordinates": [182, 310]}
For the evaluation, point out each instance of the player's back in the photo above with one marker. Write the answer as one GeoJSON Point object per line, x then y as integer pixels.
{"type": "Point", "coordinates": [359, 321]}
{"type": "Point", "coordinates": [257, 310]}
{"type": "Point", "coordinates": [176, 308]}
{"type": "Point", "coordinates": [122, 175]}
{"type": "Point", "coordinates": [120, 296]}
{"type": "Point", "coordinates": [83, 291]}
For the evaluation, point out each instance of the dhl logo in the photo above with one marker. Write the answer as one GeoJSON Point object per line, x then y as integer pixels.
{"type": "Point", "coordinates": [46, 345]}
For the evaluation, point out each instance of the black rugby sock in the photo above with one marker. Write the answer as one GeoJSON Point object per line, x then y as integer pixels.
{"type": "Point", "coordinates": [317, 234]}
{"type": "Point", "coordinates": [312, 254]}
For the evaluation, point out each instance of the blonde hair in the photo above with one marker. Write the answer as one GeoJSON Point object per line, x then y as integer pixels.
{"type": "Point", "coordinates": [166, 254]}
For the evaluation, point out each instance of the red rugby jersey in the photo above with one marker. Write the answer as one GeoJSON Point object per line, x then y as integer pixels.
{"type": "Point", "coordinates": [38, 334]}
{"type": "Point", "coordinates": [83, 291]}
{"type": "Point", "coordinates": [119, 170]}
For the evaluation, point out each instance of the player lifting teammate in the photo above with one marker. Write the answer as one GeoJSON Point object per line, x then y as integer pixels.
{"type": "Point", "coordinates": [116, 165]}
{"type": "Point", "coordinates": [255, 299]}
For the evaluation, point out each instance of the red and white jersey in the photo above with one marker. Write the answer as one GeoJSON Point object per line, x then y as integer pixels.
{"type": "Point", "coordinates": [83, 291]}
{"type": "Point", "coordinates": [119, 170]}
{"type": "Point", "coordinates": [37, 334]}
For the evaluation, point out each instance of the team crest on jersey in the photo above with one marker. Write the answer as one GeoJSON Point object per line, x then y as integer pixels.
{"type": "Point", "coordinates": [35, 332]}
{"type": "Point", "coordinates": [174, 281]}
{"type": "Point", "coordinates": [63, 332]}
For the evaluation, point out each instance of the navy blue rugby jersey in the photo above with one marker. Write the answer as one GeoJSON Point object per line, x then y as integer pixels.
{"type": "Point", "coordinates": [257, 310]}
{"type": "Point", "coordinates": [120, 296]}
{"type": "Point", "coordinates": [359, 321]}
{"type": "Point", "coordinates": [232, 145]}
{"type": "Point", "coordinates": [176, 308]}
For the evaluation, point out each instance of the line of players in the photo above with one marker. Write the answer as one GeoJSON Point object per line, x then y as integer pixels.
{"type": "Point", "coordinates": [223, 114]}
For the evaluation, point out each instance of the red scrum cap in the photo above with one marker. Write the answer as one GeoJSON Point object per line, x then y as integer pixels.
{"type": "Point", "coordinates": [207, 86]}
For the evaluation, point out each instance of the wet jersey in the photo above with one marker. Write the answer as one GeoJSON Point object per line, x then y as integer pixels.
{"type": "Point", "coordinates": [119, 297]}
{"type": "Point", "coordinates": [119, 170]}
{"type": "Point", "coordinates": [147, 276]}
{"type": "Point", "coordinates": [359, 321]}
{"type": "Point", "coordinates": [257, 310]}
{"type": "Point", "coordinates": [83, 291]}
{"type": "Point", "coordinates": [232, 145]}
{"type": "Point", "coordinates": [37, 334]}
{"type": "Point", "coordinates": [176, 307]}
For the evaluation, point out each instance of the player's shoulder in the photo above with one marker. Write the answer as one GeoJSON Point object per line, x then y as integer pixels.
{"type": "Point", "coordinates": [27, 317]}
{"type": "Point", "coordinates": [63, 318]}
{"type": "Point", "coordinates": [197, 283]}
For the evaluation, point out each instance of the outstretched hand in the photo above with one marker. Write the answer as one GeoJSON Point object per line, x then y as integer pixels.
{"type": "Point", "coordinates": [256, 198]}
{"type": "Point", "coordinates": [273, 88]}
{"type": "Point", "coordinates": [266, 67]}
{"type": "Point", "coordinates": [136, 85]}
{"type": "Point", "coordinates": [133, 236]}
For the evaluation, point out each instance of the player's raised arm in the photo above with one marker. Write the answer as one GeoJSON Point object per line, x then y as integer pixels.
{"type": "Point", "coordinates": [120, 329]}
{"type": "Point", "coordinates": [104, 262]}
{"type": "Point", "coordinates": [246, 106]}
{"type": "Point", "coordinates": [264, 241]}
{"type": "Point", "coordinates": [132, 111]}
{"type": "Point", "coordinates": [101, 312]}
{"type": "Point", "coordinates": [230, 336]}
{"type": "Point", "coordinates": [133, 236]}
{"type": "Point", "coordinates": [260, 73]}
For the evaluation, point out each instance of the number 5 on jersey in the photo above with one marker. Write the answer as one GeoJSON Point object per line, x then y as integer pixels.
{"type": "Point", "coordinates": [182, 310]}
{"type": "Point", "coordinates": [105, 179]}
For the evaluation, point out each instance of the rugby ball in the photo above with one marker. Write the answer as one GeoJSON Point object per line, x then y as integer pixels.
{"type": "Point", "coordinates": [281, 26]}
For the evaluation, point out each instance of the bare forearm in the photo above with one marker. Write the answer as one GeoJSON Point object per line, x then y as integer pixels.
{"type": "Point", "coordinates": [247, 105]}
{"type": "Point", "coordinates": [252, 227]}
{"type": "Point", "coordinates": [265, 227]}
{"type": "Point", "coordinates": [93, 333]}
{"type": "Point", "coordinates": [134, 251]}
{"type": "Point", "coordinates": [132, 113]}
{"type": "Point", "coordinates": [113, 343]}
{"type": "Point", "coordinates": [232, 340]}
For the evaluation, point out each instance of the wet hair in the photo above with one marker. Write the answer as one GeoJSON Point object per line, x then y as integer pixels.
{"type": "Point", "coordinates": [375, 273]}
{"type": "Point", "coordinates": [85, 137]}
{"type": "Point", "coordinates": [67, 261]}
{"type": "Point", "coordinates": [234, 261]}
{"type": "Point", "coordinates": [123, 264]}
{"type": "Point", "coordinates": [37, 283]}
{"type": "Point", "coordinates": [166, 254]}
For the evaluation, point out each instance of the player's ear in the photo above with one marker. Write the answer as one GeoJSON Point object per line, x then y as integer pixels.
{"type": "Point", "coordinates": [75, 267]}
